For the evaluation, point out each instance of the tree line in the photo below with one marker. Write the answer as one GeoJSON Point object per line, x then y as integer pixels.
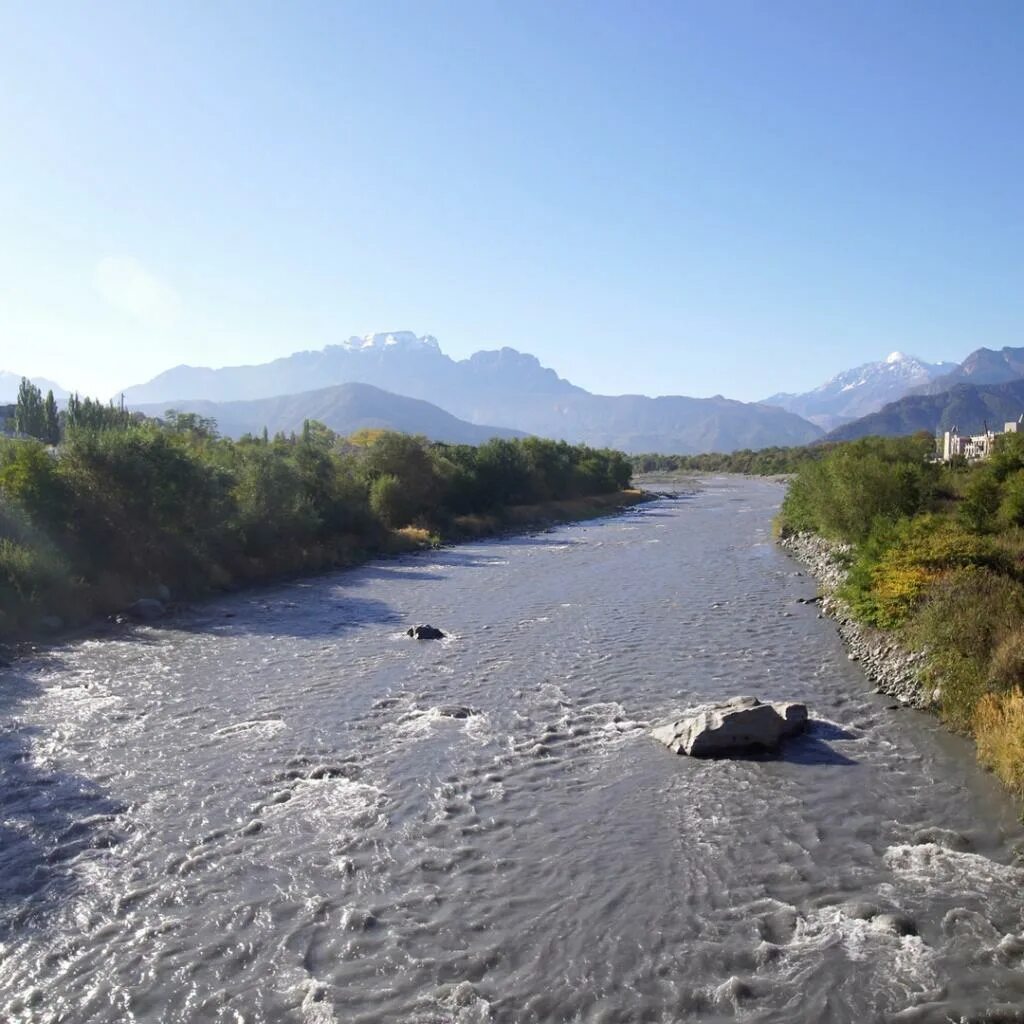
{"type": "Point", "coordinates": [122, 505]}
{"type": "Point", "coordinates": [759, 462]}
{"type": "Point", "coordinates": [37, 417]}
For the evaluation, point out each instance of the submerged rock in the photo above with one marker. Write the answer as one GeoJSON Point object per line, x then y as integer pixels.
{"type": "Point", "coordinates": [897, 923]}
{"type": "Point", "coordinates": [741, 723]}
{"type": "Point", "coordinates": [425, 633]}
{"type": "Point", "coordinates": [455, 711]}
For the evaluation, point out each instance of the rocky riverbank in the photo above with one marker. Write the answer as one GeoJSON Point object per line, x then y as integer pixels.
{"type": "Point", "coordinates": [893, 670]}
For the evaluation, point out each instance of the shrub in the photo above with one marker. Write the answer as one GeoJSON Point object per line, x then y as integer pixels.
{"type": "Point", "coordinates": [1011, 506]}
{"type": "Point", "coordinates": [980, 503]}
{"type": "Point", "coordinates": [967, 616]}
{"type": "Point", "coordinates": [899, 561]}
{"type": "Point", "coordinates": [1008, 457]}
{"type": "Point", "coordinates": [33, 579]}
{"type": "Point", "coordinates": [856, 484]}
{"type": "Point", "coordinates": [1006, 666]}
{"type": "Point", "coordinates": [998, 727]}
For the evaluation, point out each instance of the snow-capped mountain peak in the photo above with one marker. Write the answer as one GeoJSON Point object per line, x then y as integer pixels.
{"type": "Point", "coordinates": [860, 391]}
{"type": "Point", "coordinates": [391, 340]}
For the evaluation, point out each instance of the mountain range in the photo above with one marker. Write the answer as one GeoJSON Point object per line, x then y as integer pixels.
{"type": "Point", "coordinates": [982, 366]}
{"type": "Point", "coordinates": [502, 387]}
{"type": "Point", "coordinates": [862, 390]}
{"type": "Point", "coordinates": [405, 382]}
{"type": "Point", "coordinates": [345, 408]}
{"type": "Point", "coordinates": [10, 382]}
{"type": "Point", "coordinates": [966, 406]}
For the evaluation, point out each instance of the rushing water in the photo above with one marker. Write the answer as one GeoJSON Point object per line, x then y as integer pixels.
{"type": "Point", "coordinates": [262, 810]}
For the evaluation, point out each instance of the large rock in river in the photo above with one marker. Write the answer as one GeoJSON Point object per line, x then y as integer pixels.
{"type": "Point", "coordinates": [425, 633]}
{"type": "Point", "coordinates": [740, 723]}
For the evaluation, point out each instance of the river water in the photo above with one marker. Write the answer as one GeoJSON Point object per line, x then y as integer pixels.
{"type": "Point", "coordinates": [262, 810]}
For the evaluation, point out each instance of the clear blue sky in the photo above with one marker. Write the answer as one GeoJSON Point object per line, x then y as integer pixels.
{"type": "Point", "coordinates": [679, 197]}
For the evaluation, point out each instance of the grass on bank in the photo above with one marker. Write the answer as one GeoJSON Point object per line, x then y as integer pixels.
{"type": "Point", "coordinates": [938, 558]}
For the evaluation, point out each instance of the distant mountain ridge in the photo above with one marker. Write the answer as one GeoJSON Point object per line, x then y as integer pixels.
{"type": "Point", "coordinates": [398, 357]}
{"type": "Point", "coordinates": [966, 406]}
{"type": "Point", "coordinates": [862, 390]}
{"type": "Point", "coordinates": [503, 387]}
{"type": "Point", "coordinates": [11, 382]}
{"type": "Point", "coordinates": [982, 366]}
{"type": "Point", "coordinates": [345, 408]}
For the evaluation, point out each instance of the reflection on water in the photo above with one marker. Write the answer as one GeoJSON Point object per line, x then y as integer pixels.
{"type": "Point", "coordinates": [280, 808]}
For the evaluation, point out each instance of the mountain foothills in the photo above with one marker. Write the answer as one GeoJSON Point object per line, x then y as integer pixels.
{"type": "Point", "coordinates": [862, 390]}
{"type": "Point", "coordinates": [345, 408]}
{"type": "Point", "coordinates": [505, 387]}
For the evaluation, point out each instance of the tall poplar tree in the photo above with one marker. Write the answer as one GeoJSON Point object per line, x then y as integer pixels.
{"type": "Point", "coordinates": [52, 420]}
{"type": "Point", "coordinates": [29, 414]}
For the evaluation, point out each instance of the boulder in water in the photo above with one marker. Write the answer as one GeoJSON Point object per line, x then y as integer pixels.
{"type": "Point", "coordinates": [741, 723]}
{"type": "Point", "coordinates": [425, 633]}
{"type": "Point", "coordinates": [455, 711]}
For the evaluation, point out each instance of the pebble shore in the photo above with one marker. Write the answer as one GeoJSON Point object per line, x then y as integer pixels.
{"type": "Point", "coordinates": [892, 669]}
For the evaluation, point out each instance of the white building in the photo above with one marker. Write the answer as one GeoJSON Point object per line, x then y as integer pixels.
{"type": "Point", "coordinates": [974, 446]}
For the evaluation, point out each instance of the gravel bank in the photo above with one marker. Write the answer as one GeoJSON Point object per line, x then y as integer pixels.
{"type": "Point", "coordinates": [891, 668]}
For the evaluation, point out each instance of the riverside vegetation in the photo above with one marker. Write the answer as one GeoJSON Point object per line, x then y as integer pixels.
{"type": "Point", "coordinates": [122, 507]}
{"type": "Point", "coordinates": [936, 556]}
{"type": "Point", "coordinates": [763, 462]}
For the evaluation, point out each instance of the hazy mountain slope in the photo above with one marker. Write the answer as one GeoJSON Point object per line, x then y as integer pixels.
{"type": "Point", "coordinates": [399, 362]}
{"type": "Point", "coordinates": [967, 406]}
{"type": "Point", "coordinates": [502, 387]}
{"type": "Point", "coordinates": [10, 382]}
{"type": "Point", "coordinates": [344, 408]}
{"type": "Point", "coordinates": [860, 391]}
{"type": "Point", "coordinates": [982, 366]}
{"type": "Point", "coordinates": [671, 424]}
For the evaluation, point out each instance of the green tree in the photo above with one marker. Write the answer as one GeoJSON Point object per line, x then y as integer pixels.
{"type": "Point", "coordinates": [981, 501]}
{"type": "Point", "coordinates": [29, 413]}
{"type": "Point", "coordinates": [1011, 507]}
{"type": "Point", "coordinates": [409, 460]}
{"type": "Point", "coordinates": [52, 420]}
{"type": "Point", "coordinates": [91, 414]}
{"type": "Point", "coordinates": [390, 502]}
{"type": "Point", "coordinates": [1008, 456]}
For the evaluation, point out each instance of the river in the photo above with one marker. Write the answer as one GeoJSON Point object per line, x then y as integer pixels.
{"type": "Point", "coordinates": [262, 809]}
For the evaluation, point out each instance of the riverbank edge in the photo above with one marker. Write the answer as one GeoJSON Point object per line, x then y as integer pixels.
{"type": "Point", "coordinates": [517, 519]}
{"type": "Point", "coordinates": [512, 521]}
{"type": "Point", "coordinates": [894, 671]}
